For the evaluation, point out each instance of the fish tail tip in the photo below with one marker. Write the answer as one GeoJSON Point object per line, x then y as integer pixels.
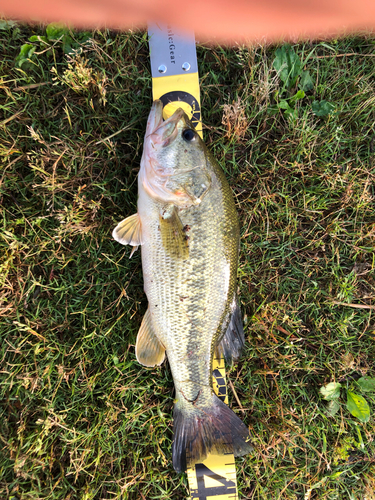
{"type": "Point", "coordinates": [214, 429]}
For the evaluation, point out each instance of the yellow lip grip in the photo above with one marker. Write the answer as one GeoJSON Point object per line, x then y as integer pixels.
{"type": "Point", "coordinates": [179, 91]}
{"type": "Point", "coordinates": [174, 69]}
{"type": "Point", "coordinates": [175, 82]}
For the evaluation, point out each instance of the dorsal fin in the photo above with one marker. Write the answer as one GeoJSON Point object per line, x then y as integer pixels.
{"type": "Point", "coordinates": [234, 339]}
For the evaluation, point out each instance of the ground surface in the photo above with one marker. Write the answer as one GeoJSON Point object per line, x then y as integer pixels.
{"type": "Point", "coordinates": [80, 419]}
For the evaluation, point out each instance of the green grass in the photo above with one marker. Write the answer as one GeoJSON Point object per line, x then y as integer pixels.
{"type": "Point", "coordinates": [80, 419]}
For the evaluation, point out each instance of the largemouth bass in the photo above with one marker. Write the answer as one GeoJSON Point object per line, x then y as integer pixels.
{"type": "Point", "coordinates": [188, 230]}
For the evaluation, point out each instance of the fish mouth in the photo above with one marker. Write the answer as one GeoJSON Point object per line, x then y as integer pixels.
{"type": "Point", "coordinates": [155, 117]}
{"type": "Point", "coordinates": [153, 175]}
{"type": "Point", "coordinates": [163, 132]}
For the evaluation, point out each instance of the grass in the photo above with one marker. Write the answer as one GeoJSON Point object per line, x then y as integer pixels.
{"type": "Point", "coordinates": [80, 419]}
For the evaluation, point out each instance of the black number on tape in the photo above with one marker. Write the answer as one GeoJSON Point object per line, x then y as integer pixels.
{"type": "Point", "coordinates": [227, 487]}
{"type": "Point", "coordinates": [179, 95]}
{"type": "Point", "coordinates": [222, 388]}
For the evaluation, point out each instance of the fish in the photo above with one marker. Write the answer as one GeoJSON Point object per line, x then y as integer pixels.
{"type": "Point", "coordinates": [188, 230]}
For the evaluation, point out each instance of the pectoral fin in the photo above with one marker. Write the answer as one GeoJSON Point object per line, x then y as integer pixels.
{"type": "Point", "coordinates": [173, 235]}
{"type": "Point", "coordinates": [129, 231]}
{"type": "Point", "coordinates": [148, 349]}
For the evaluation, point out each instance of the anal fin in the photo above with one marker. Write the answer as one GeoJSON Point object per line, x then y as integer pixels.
{"type": "Point", "coordinates": [129, 231]}
{"type": "Point", "coordinates": [148, 349]}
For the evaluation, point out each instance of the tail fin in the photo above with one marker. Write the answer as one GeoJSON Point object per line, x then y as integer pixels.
{"type": "Point", "coordinates": [199, 431]}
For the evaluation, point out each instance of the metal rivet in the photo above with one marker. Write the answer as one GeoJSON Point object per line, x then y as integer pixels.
{"type": "Point", "coordinates": [186, 66]}
{"type": "Point", "coordinates": [162, 68]}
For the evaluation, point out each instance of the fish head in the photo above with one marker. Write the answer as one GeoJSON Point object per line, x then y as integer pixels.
{"type": "Point", "coordinates": [174, 162]}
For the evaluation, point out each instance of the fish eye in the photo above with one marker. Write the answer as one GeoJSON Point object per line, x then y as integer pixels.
{"type": "Point", "coordinates": [188, 135]}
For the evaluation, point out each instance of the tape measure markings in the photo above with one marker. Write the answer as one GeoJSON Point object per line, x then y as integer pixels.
{"type": "Point", "coordinates": [215, 478]}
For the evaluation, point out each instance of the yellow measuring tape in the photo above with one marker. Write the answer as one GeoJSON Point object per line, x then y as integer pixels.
{"type": "Point", "coordinates": [175, 82]}
{"type": "Point", "coordinates": [215, 477]}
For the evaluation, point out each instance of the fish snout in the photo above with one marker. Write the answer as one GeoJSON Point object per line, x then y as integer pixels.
{"type": "Point", "coordinates": [167, 131]}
